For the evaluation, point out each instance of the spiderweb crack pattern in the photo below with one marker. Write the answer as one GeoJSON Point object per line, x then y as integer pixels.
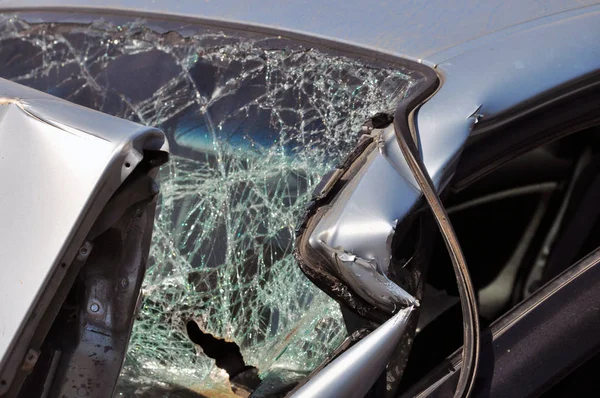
{"type": "Point", "coordinates": [253, 123]}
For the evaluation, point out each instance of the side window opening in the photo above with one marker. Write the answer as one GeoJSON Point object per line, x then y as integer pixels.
{"type": "Point", "coordinates": [519, 227]}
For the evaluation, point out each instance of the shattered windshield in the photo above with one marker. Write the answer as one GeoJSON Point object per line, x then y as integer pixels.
{"type": "Point", "coordinates": [253, 122]}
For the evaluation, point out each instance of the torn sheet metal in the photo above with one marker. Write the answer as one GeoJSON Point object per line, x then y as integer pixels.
{"type": "Point", "coordinates": [59, 165]}
{"type": "Point", "coordinates": [353, 373]}
{"type": "Point", "coordinates": [253, 123]}
{"type": "Point", "coordinates": [357, 227]}
{"type": "Point", "coordinates": [367, 277]}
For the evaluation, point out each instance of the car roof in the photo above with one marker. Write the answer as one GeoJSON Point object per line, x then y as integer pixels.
{"type": "Point", "coordinates": [490, 57]}
{"type": "Point", "coordinates": [407, 28]}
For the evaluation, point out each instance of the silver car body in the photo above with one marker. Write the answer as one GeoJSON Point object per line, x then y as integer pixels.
{"type": "Point", "coordinates": [490, 58]}
{"type": "Point", "coordinates": [59, 164]}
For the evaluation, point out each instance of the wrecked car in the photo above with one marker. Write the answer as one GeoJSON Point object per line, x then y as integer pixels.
{"type": "Point", "coordinates": [280, 200]}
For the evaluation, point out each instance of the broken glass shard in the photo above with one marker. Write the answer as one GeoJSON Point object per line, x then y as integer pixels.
{"type": "Point", "coordinates": [253, 123]}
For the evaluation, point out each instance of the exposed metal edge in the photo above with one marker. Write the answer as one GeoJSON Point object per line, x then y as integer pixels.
{"type": "Point", "coordinates": [312, 263]}
{"type": "Point", "coordinates": [126, 155]}
{"type": "Point", "coordinates": [353, 373]}
{"type": "Point", "coordinates": [105, 188]}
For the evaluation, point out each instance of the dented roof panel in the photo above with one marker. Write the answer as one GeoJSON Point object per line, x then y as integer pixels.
{"type": "Point", "coordinates": [497, 77]}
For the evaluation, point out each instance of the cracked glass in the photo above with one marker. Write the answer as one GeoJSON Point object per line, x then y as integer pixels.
{"type": "Point", "coordinates": [253, 122]}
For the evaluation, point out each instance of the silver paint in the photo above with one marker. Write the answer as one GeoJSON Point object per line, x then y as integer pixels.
{"type": "Point", "coordinates": [496, 75]}
{"type": "Point", "coordinates": [59, 165]}
{"type": "Point", "coordinates": [507, 57]}
{"type": "Point", "coordinates": [353, 373]}
{"type": "Point", "coordinates": [355, 233]}
{"type": "Point", "coordinates": [481, 78]}
{"type": "Point", "coordinates": [517, 67]}
{"type": "Point", "coordinates": [411, 28]}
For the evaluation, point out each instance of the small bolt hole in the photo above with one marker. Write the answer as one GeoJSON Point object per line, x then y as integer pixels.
{"type": "Point", "coordinates": [127, 164]}
{"type": "Point", "coordinates": [63, 265]}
